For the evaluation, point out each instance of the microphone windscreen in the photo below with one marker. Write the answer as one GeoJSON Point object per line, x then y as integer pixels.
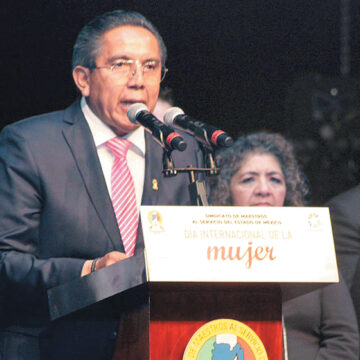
{"type": "Point", "coordinates": [134, 110]}
{"type": "Point", "coordinates": [171, 114]}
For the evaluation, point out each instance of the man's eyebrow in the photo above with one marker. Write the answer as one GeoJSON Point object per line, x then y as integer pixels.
{"type": "Point", "coordinates": [118, 57]}
{"type": "Point", "coordinates": [126, 57]}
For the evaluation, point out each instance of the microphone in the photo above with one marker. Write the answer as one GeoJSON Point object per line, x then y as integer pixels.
{"type": "Point", "coordinates": [162, 134]}
{"type": "Point", "coordinates": [204, 133]}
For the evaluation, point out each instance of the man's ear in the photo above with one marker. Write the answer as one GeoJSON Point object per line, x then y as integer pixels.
{"type": "Point", "coordinates": [81, 77]}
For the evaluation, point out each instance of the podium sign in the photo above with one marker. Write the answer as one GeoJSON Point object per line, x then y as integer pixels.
{"type": "Point", "coordinates": [232, 244]}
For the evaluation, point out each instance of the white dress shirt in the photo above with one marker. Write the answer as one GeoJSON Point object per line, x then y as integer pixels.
{"type": "Point", "coordinates": [135, 156]}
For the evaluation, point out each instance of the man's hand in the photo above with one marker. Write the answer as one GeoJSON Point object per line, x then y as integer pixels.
{"type": "Point", "coordinates": [108, 259]}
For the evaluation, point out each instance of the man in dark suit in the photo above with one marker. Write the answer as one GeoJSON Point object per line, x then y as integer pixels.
{"type": "Point", "coordinates": [344, 211]}
{"type": "Point", "coordinates": [56, 212]}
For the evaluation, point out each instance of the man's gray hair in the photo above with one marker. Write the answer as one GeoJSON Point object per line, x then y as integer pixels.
{"type": "Point", "coordinates": [88, 44]}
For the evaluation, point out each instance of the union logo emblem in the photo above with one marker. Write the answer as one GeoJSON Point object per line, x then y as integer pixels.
{"type": "Point", "coordinates": [155, 221]}
{"type": "Point", "coordinates": [314, 221]}
{"type": "Point", "coordinates": [225, 339]}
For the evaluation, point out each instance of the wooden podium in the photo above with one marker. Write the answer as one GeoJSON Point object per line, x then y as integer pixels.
{"type": "Point", "coordinates": [177, 312]}
{"type": "Point", "coordinates": [232, 311]}
{"type": "Point", "coordinates": [161, 317]}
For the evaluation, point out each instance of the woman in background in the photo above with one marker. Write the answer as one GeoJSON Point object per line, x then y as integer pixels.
{"type": "Point", "coordinates": [261, 170]}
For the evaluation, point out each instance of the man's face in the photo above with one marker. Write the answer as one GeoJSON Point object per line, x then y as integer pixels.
{"type": "Point", "coordinates": [110, 94]}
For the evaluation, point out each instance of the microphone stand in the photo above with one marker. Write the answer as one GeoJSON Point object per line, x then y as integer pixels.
{"type": "Point", "coordinates": [197, 188]}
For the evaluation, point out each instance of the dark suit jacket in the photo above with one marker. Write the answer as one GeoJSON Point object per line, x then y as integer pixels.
{"type": "Point", "coordinates": [321, 325]}
{"type": "Point", "coordinates": [345, 218]}
{"type": "Point", "coordinates": [55, 212]}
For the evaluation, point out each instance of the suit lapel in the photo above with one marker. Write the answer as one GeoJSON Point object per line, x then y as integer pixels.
{"type": "Point", "coordinates": [79, 138]}
{"type": "Point", "coordinates": [153, 171]}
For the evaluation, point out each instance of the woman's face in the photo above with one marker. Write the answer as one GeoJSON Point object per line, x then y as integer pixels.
{"type": "Point", "coordinates": [259, 182]}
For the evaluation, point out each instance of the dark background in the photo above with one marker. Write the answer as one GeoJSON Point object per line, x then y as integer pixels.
{"type": "Point", "coordinates": [242, 65]}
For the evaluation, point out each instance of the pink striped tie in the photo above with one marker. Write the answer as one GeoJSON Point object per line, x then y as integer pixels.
{"type": "Point", "coordinates": [123, 194]}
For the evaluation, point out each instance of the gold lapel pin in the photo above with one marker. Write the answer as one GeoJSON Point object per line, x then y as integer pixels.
{"type": "Point", "coordinates": [155, 185]}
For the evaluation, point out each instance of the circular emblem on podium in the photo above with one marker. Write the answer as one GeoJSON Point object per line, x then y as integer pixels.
{"type": "Point", "coordinates": [225, 339]}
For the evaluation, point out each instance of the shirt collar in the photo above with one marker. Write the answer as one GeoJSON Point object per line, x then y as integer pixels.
{"type": "Point", "coordinates": [102, 132]}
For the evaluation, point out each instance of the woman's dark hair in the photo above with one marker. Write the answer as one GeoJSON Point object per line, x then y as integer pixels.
{"type": "Point", "coordinates": [229, 160]}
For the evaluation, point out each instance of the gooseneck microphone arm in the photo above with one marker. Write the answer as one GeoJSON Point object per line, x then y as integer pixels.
{"type": "Point", "coordinates": [207, 136]}
{"type": "Point", "coordinates": [164, 135]}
